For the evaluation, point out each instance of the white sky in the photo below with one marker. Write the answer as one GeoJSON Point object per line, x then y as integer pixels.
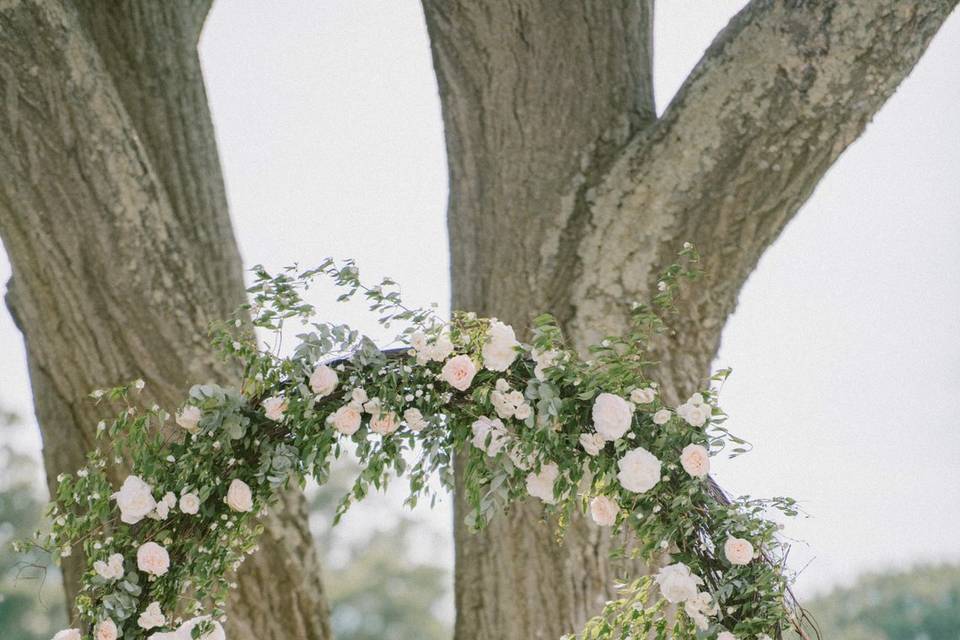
{"type": "Point", "coordinates": [844, 345]}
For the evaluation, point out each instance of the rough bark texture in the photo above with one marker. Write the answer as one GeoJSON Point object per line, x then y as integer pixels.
{"type": "Point", "coordinates": [567, 195]}
{"type": "Point", "coordinates": [113, 213]}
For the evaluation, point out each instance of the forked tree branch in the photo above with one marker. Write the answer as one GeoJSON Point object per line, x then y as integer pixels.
{"type": "Point", "coordinates": [777, 97]}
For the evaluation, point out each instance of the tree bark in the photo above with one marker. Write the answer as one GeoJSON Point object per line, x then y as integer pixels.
{"type": "Point", "coordinates": [114, 216]}
{"type": "Point", "coordinates": [568, 195]}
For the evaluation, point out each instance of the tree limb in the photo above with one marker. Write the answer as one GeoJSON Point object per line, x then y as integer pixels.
{"type": "Point", "coordinates": [119, 266]}
{"type": "Point", "coordinates": [777, 97]}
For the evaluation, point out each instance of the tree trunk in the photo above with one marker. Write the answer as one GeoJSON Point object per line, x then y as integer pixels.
{"type": "Point", "coordinates": [568, 195]}
{"type": "Point", "coordinates": [114, 216]}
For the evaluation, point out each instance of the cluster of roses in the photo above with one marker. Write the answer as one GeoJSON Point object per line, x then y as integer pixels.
{"type": "Point", "coordinates": [639, 470]}
{"type": "Point", "coordinates": [680, 585]}
{"type": "Point", "coordinates": [135, 501]}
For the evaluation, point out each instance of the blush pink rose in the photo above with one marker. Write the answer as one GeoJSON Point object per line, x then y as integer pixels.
{"type": "Point", "coordinates": [458, 372]}
{"type": "Point", "coordinates": [153, 559]}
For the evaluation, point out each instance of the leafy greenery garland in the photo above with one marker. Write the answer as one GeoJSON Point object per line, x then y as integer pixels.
{"type": "Point", "coordinates": [531, 419]}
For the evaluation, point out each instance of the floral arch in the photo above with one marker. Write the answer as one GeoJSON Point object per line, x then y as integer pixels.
{"type": "Point", "coordinates": [532, 419]}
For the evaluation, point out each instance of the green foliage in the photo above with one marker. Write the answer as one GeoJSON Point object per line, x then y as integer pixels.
{"type": "Point", "coordinates": [376, 584]}
{"type": "Point", "coordinates": [408, 412]}
{"type": "Point", "coordinates": [31, 600]}
{"type": "Point", "coordinates": [921, 603]}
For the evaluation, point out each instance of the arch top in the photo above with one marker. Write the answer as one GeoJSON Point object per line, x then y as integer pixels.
{"type": "Point", "coordinates": [534, 420]}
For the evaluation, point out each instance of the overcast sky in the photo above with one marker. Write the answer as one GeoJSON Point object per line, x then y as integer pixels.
{"type": "Point", "coordinates": [844, 345]}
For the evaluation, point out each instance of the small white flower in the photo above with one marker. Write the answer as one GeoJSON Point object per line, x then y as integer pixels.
{"type": "Point", "coordinates": [540, 485]}
{"type": "Point", "coordinates": [726, 635]}
{"type": "Point", "coordinates": [699, 608]}
{"type": "Point", "coordinates": [661, 417]}
{"type": "Point", "coordinates": [643, 395]}
{"type": "Point", "coordinates": [151, 617]}
{"type": "Point", "coordinates": [67, 634]}
{"type": "Point", "coordinates": [139, 384]}
{"type": "Point", "coordinates": [592, 443]}
{"type": "Point", "coordinates": [359, 395]}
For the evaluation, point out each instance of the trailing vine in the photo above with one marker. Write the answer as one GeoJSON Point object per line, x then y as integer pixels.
{"type": "Point", "coordinates": [588, 435]}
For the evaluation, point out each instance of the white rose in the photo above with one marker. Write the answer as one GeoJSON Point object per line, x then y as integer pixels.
{"type": "Point", "coordinates": [612, 416]}
{"type": "Point", "coordinates": [169, 499]}
{"type": "Point", "coordinates": [185, 631]}
{"type": "Point", "coordinates": [643, 396]}
{"type": "Point", "coordinates": [112, 569]}
{"type": "Point", "coordinates": [677, 583]}
{"type": "Point", "coordinates": [441, 349]}
{"type": "Point", "coordinates": [105, 630]}
{"type": "Point", "coordinates": [523, 412]}
{"type": "Point", "coordinates": [189, 418]}
{"type": "Point", "coordinates": [699, 608]}
{"type": "Point", "coordinates": [639, 470]}
{"type": "Point", "coordinates": [500, 349]}
{"type": "Point", "coordinates": [359, 396]}
{"type": "Point", "coordinates": [239, 497]}
{"type": "Point", "coordinates": [151, 617]}
{"type": "Point", "coordinates": [592, 443]}
{"type": "Point", "coordinates": [323, 380]}
{"type": "Point", "coordinates": [372, 406]}
{"type": "Point", "coordinates": [458, 372]}
{"type": "Point", "coordinates": [346, 419]}
{"type": "Point", "coordinates": [498, 435]}
{"type": "Point", "coordinates": [67, 634]}
{"type": "Point", "coordinates": [738, 550]}
{"type": "Point", "coordinates": [661, 417]}
{"type": "Point", "coordinates": [134, 500]}
{"type": "Point", "coordinates": [414, 420]}
{"type": "Point", "coordinates": [161, 511]}
{"type": "Point", "coordinates": [418, 341]}
{"type": "Point", "coordinates": [273, 408]}
{"type": "Point", "coordinates": [540, 485]}
{"type": "Point", "coordinates": [604, 511]}
{"type": "Point", "coordinates": [384, 423]}
{"type": "Point", "coordinates": [695, 460]}
{"type": "Point", "coordinates": [694, 411]}
{"type": "Point", "coordinates": [726, 635]}
{"type": "Point", "coordinates": [190, 503]}
{"type": "Point", "coordinates": [544, 360]}
{"type": "Point", "coordinates": [153, 559]}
